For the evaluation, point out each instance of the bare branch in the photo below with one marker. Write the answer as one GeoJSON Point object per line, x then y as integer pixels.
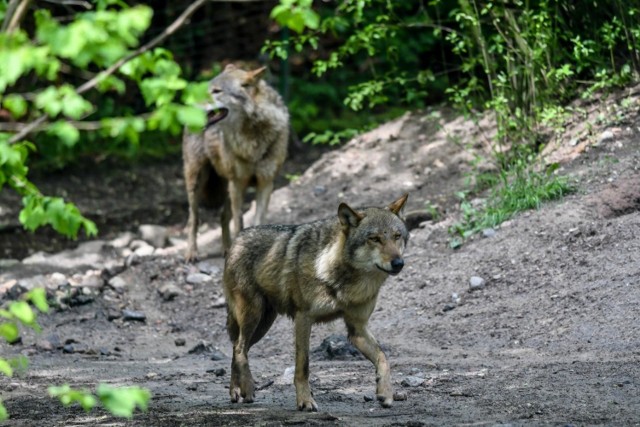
{"type": "Point", "coordinates": [15, 13]}
{"type": "Point", "coordinates": [81, 125]}
{"type": "Point", "coordinates": [81, 3]}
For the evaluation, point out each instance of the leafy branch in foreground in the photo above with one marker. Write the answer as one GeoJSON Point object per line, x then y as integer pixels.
{"type": "Point", "coordinates": [119, 401]}
{"type": "Point", "coordinates": [103, 40]}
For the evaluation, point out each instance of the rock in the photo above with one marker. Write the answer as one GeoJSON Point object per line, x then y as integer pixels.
{"type": "Point", "coordinates": [400, 395]}
{"type": "Point", "coordinates": [207, 267]}
{"type": "Point", "coordinates": [45, 345]}
{"type": "Point", "coordinates": [488, 232]}
{"type": "Point", "coordinates": [217, 355]}
{"type": "Point", "coordinates": [179, 342]}
{"type": "Point", "coordinates": [142, 248]}
{"type": "Point", "coordinates": [6, 286]}
{"type": "Point", "coordinates": [118, 284]}
{"type": "Point", "coordinates": [219, 302]}
{"type": "Point", "coordinates": [219, 372]}
{"type": "Point", "coordinates": [412, 381]}
{"type": "Point", "coordinates": [33, 282]}
{"type": "Point", "coordinates": [448, 307]}
{"type": "Point", "coordinates": [287, 375]}
{"type": "Point", "coordinates": [319, 190]}
{"type": "Point", "coordinates": [198, 278]}
{"type": "Point", "coordinates": [133, 315]}
{"type": "Point", "coordinates": [92, 280]}
{"type": "Point", "coordinates": [368, 398]}
{"type": "Point", "coordinates": [337, 347]}
{"type": "Point", "coordinates": [455, 298]}
{"type": "Point", "coordinates": [122, 241]}
{"type": "Point", "coordinates": [476, 283]}
{"type": "Point", "coordinates": [155, 235]}
{"type": "Point", "coordinates": [57, 280]}
{"type": "Point", "coordinates": [68, 348]}
{"type": "Point", "coordinates": [88, 254]}
{"type": "Point", "coordinates": [201, 348]}
{"type": "Point", "coordinates": [605, 136]}
{"type": "Point", "coordinates": [169, 291]}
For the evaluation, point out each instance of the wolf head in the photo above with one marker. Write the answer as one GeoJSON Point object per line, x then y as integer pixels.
{"type": "Point", "coordinates": [233, 93]}
{"type": "Point", "coordinates": [375, 237]}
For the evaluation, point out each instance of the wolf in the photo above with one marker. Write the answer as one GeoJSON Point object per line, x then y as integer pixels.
{"type": "Point", "coordinates": [314, 272]}
{"type": "Point", "coordinates": [245, 141]}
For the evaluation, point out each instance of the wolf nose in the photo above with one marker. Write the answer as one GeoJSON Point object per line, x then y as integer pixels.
{"type": "Point", "coordinates": [397, 264]}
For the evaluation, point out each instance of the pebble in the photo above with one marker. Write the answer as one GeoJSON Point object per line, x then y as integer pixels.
{"type": "Point", "coordinates": [92, 280]}
{"type": "Point", "coordinates": [412, 381]}
{"type": "Point", "coordinates": [57, 280]}
{"type": "Point", "coordinates": [319, 190]}
{"type": "Point", "coordinates": [605, 136]}
{"type": "Point", "coordinates": [169, 291]}
{"type": "Point", "coordinates": [207, 267]}
{"type": "Point", "coordinates": [180, 342]}
{"type": "Point", "coordinates": [68, 348]}
{"type": "Point", "coordinates": [448, 307]}
{"type": "Point", "coordinates": [368, 398]}
{"type": "Point", "coordinates": [144, 250]}
{"type": "Point", "coordinates": [488, 232]}
{"type": "Point", "coordinates": [118, 284]}
{"type": "Point", "coordinates": [155, 235]}
{"type": "Point", "coordinates": [219, 372]}
{"type": "Point", "coordinates": [122, 241]}
{"type": "Point", "coordinates": [400, 396]}
{"type": "Point", "coordinates": [133, 315]}
{"type": "Point", "coordinates": [198, 278]}
{"type": "Point", "coordinates": [217, 355]}
{"type": "Point", "coordinates": [476, 283]}
{"type": "Point", "coordinates": [455, 298]}
{"type": "Point", "coordinates": [220, 302]}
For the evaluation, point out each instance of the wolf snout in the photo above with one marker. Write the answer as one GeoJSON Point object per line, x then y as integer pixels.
{"type": "Point", "coordinates": [396, 265]}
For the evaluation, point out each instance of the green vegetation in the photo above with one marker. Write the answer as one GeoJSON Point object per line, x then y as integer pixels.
{"type": "Point", "coordinates": [523, 60]}
{"type": "Point", "coordinates": [119, 401]}
{"type": "Point", "coordinates": [99, 50]}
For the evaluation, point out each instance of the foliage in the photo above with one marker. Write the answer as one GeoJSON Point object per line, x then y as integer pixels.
{"type": "Point", "coordinates": [121, 401]}
{"type": "Point", "coordinates": [518, 189]}
{"type": "Point", "coordinates": [19, 313]}
{"type": "Point", "coordinates": [77, 119]}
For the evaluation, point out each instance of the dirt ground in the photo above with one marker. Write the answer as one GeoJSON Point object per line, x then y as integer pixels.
{"type": "Point", "coordinates": [551, 336]}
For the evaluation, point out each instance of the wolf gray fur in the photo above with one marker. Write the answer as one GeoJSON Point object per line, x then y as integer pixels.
{"type": "Point", "coordinates": [314, 272]}
{"type": "Point", "coordinates": [245, 140]}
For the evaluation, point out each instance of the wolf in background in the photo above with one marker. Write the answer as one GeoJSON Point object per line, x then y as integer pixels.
{"type": "Point", "coordinates": [314, 272]}
{"type": "Point", "coordinates": [245, 141]}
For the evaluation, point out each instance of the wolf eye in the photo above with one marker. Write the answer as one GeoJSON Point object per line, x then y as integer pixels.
{"type": "Point", "coordinates": [216, 91]}
{"type": "Point", "coordinates": [375, 239]}
{"type": "Point", "coordinates": [397, 236]}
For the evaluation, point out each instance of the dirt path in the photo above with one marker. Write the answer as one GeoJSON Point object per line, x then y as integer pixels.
{"type": "Point", "coordinates": [551, 338]}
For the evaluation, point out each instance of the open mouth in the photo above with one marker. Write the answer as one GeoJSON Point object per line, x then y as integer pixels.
{"type": "Point", "coordinates": [214, 116]}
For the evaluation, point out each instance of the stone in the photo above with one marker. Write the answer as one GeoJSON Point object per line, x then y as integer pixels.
{"type": "Point", "coordinates": [207, 267]}
{"type": "Point", "coordinates": [400, 395]}
{"type": "Point", "coordinates": [169, 291]}
{"type": "Point", "coordinates": [122, 241]}
{"type": "Point", "coordinates": [142, 248]}
{"type": "Point", "coordinates": [198, 278]}
{"type": "Point", "coordinates": [605, 136]}
{"type": "Point", "coordinates": [133, 315]}
{"type": "Point", "coordinates": [155, 235]}
{"type": "Point", "coordinates": [412, 381]}
{"type": "Point", "coordinates": [179, 342]}
{"type": "Point", "coordinates": [476, 283]}
{"type": "Point", "coordinates": [488, 232]}
{"type": "Point", "coordinates": [337, 347]}
{"type": "Point", "coordinates": [118, 284]}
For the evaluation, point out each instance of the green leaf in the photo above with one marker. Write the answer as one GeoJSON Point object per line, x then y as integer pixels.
{"type": "Point", "coordinates": [22, 312]}
{"type": "Point", "coordinates": [38, 297]}
{"type": "Point", "coordinates": [68, 396]}
{"type": "Point", "coordinates": [5, 368]}
{"type": "Point", "coordinates": [66, 132]}
{"type": "Point", "coordinates": [9, 331]}
{"type": "Point", "coordinates": [16, 105]}
{"type": "Point", "coordinates": [123, 401]}
{"type": "Point", "coordinates": [193, 118]}
{"type": "Point", "coordinates": [4, 415]}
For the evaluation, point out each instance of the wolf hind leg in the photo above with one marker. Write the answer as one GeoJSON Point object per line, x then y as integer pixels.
{"type": "Point", "coordinates": [245, 316]}
{"type": "Point", "coordinates": [263, 194]}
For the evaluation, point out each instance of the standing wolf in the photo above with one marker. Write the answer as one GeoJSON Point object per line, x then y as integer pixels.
{"type": "Point", "coordinates": [245, 140]}
{"type": "Point", "coordinates": [314, 272]}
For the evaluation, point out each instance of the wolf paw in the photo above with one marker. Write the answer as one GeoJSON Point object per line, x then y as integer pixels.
{"type": "Point", "coordinates": [385, 401]}
{"type": "Point", "coordinates": [234, 392]}
{"type": "Point", "coordinates": [308, 405]}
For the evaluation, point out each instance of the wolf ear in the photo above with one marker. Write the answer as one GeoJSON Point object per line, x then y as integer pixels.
{"type": "Point", "coordinates": [397, 206]}
{"type": "Point", "coordinates": [348, 217]}
{"type": "Point", "coordinates": [256, 74]}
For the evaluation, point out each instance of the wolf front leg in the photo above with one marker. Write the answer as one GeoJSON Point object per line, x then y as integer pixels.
{"type": "Point", "coordinates": [193, 183]}
{"type": "Point", "coordinates": [360, 336]}
{"type": "Point", "coordinates": [304, 398]}
{"type": "Point", "coordinates": [237, 188]}
{"type": "Point", "coordinates": [263, 194]}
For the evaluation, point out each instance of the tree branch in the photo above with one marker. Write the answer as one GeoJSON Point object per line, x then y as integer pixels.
{"type": "Point", "coordinates": [113, 68]}
{"type": "Point", "coordinates": [81, 125]}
